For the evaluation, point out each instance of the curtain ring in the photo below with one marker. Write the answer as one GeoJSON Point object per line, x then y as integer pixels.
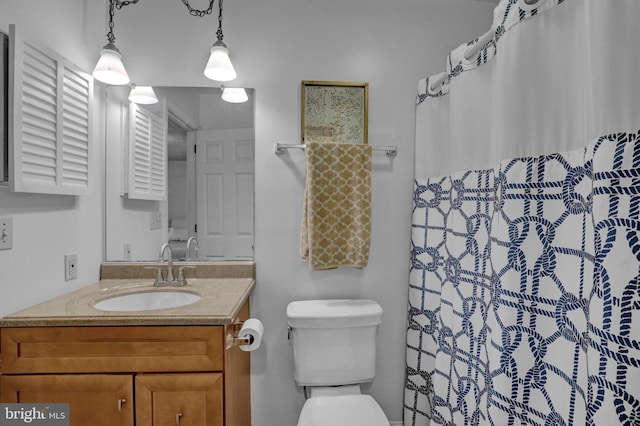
{"type": "Point", "coordinates": [529, 5]}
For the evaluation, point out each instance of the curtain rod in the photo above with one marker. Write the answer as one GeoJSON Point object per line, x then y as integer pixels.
{"type": "Point", "coordinates": [482, 42]}
{"type": "Point", "coordinates": [280, 148]}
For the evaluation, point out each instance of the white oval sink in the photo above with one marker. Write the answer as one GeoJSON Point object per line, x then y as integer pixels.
{"type": "Point", "coordinates": [147, 301]}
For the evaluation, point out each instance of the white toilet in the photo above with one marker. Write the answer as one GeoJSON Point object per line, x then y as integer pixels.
{"type": "Point", "coordinates": [334, 350]}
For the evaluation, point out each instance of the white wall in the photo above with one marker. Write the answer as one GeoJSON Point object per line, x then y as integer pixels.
{"type": "Point", "coordinates": [47, 226]}
{"type": "Point", "coordinates": [274, 45]}
{"type": "Point", "coordinates": [390, 45]}
{"type": "Point", "coordinates": [216, 114]}
{"type": "Point", "coordinates": [177, 199]}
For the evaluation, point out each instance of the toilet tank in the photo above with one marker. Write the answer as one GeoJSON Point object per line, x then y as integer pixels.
{"type": "Point", "coordinates": [334, 341]}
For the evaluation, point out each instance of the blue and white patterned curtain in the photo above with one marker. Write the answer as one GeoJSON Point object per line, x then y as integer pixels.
{"type": "Point", "coordinates": [524, 293]}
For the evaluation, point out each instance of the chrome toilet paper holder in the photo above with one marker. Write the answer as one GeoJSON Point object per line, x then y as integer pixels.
{"type": "Point", "coordinates": [232, 338]}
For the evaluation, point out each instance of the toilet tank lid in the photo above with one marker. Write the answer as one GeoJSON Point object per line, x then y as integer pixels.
{"type": "Point", "coordinates": [334, 313]}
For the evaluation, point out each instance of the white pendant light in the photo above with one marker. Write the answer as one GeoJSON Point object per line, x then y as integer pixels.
{"type": "Point", "coordinates": [234, 95]}
{"type": "Point", "coordinates": [109, 68]}
{"type": "Point", "coordinates": [143, 95]}
{"type": "Point", "coordinates": [219, 66]}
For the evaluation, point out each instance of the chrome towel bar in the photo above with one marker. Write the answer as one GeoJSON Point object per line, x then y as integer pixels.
{"type": "Point", "coordinates": [280, 148]}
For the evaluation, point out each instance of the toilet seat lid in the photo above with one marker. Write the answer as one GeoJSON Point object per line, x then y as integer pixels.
{"type": "Point", "coordinates": [348, 410]}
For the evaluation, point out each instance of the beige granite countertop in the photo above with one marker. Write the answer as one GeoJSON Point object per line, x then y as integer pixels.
{"type": "Point", "coordinates": [221, 300]}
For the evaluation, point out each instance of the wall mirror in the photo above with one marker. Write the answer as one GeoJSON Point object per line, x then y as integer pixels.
{"type": "Point", "coordinates": [4, 107]}
{"type": "Point", "coordinates": [209, 178]}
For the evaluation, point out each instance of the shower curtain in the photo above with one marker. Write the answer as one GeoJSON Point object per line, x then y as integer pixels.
{"type": "Point", "coordinates": [524, 289]}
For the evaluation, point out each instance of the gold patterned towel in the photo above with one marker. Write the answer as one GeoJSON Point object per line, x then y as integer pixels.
{"type": "Point", "coordinates": [336, 220]}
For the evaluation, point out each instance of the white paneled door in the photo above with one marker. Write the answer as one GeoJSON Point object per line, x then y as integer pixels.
{"type": "Point", "coordinates": [225, 193]}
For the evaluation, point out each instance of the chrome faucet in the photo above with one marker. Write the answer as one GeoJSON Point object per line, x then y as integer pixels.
{"type": "Point", "coordinates": [169, 280]}
{"type": "Point", "coordinates": [192, 241]}
{"type": "Point", "coordinates": [166, 247]}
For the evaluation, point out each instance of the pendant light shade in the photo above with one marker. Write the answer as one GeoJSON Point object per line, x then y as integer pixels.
{"type": "Point", "coordinates": [109, 68]}
{"type": "Point", "coordinates": [219, 67]}
{"type": "Point", "coordinates": [143, 95]}
{"type": "Point", "coordinates": [234, 95]}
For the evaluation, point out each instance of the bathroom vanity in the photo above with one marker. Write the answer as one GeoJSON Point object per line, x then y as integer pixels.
{"type": "Point", "coordinates": [175, 366]}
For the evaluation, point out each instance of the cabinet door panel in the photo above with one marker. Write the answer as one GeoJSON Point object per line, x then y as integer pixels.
{"type": "Point", "coordinates": [92, 398]}
{"type": "Point", "coordinates": [197, 399]}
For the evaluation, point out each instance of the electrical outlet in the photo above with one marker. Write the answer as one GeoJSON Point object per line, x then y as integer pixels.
{"type": "Point", "coordinates": [70, 266]}
{"type": "Point", "coordinates": [127, 251]}
{"type": "Point", "coordinates": [6, 233]}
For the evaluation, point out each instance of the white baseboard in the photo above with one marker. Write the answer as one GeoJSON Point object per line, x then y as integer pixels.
{"type": "Point", "coordinates": [397, 423]}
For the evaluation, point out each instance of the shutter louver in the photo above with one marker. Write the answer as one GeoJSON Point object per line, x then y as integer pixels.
{"type": "Point", "coordinates": [39, 118]}
{"type": "Point", "coordinates": [75, 130]}
{"type": "Point", "coordinates": [158, 157]}
{"type": "Point", "coordinates": [141, 158]}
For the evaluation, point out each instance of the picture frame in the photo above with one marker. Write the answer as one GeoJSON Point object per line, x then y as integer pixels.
{"type": "Point", "coordinates": [334, 111]}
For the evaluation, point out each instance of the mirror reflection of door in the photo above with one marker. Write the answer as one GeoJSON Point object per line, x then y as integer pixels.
{"type": "Point", "coordinates": [225, 193]}
{"type": "Point", "coordinates": [177, 174]}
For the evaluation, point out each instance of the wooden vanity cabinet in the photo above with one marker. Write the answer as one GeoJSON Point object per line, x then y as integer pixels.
{"type": "Point", "coordinates": [92, 398]}
{"type": "Point", "coordinates": [126, 375]}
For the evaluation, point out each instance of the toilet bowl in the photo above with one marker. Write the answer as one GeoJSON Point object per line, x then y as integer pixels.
{"type": "Point", "coordinates": [334, 352]}
{"type": "Point", "coordinates": [341, 406]}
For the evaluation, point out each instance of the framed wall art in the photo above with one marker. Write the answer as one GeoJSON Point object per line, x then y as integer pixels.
{"type": "Point", "coordinates": [334, 111]}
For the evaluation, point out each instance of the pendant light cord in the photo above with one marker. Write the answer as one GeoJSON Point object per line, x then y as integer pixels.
{"type": "Point", "coordinates": [219, 32]}
{"type": "Point", "coordinates": [116, 4]}
{"type": "Point", "coordinates": [208, 11]}
{"type": "Point", "coordinates": [119, 4]}
{"type": "Point", "coordinates": [198, 12]}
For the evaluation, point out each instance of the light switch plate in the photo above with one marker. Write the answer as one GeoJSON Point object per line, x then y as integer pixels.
{"type": "Point", "coordinates": [6, 233]}
{"type": "Point", "coordinates": [155, 221]}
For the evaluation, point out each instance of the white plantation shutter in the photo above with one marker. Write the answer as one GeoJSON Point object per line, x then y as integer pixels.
{"type": "Point", "coordinates": [147, 154]}
{"type": "Point", "coordinates": [49, 121]}
{"type": "Point", "coordinates": [139, 149]}
{"type": "Point", "coordinates": [158, 156]}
